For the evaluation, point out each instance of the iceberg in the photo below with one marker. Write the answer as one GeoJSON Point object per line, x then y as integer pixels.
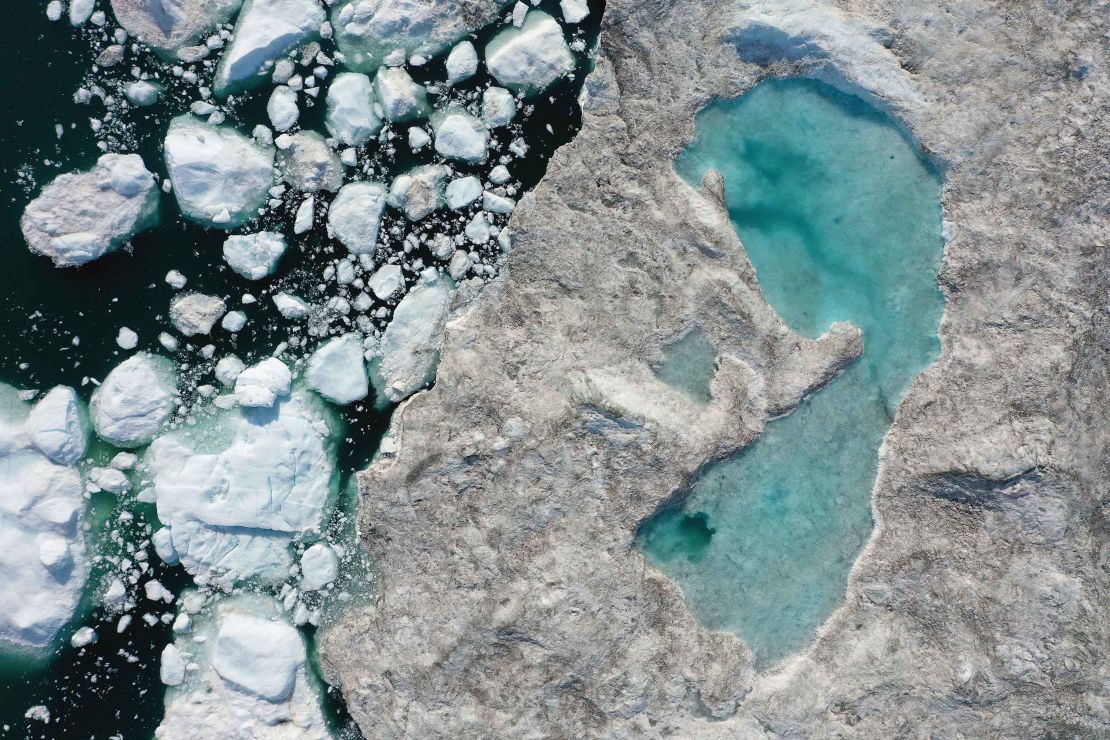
{"type": "Point", "coordinates": [356, 214]}
{"type": "Point", "coordinates": [498, 107]}
{"type": "Point", "coordinates": [336, 370]}
{"type": "Point", "coordinates": [462, 63]}
{"type": "Point", "coordinates": [282, 108]}
{"type": "Point", "coordinates": [194, 314]}
{"type": "Point", "coordinates": [167, 26]}
{"type": "Point", "coordinates": [308, 163]}
{"type": "Point", "coordinates": [259, 386]}
{"type": "Point", "coordinates": [419, 191]}
{"type": "Point", "coordinates": [266, 30]}
{"type": "Point", "coordinates": [350, 116]}
{"type": "Point", "coordinates": [135, 401]}
{"type": "Point", "coordinates": [531, 57]}
{"type": "Point", "coordinates": [254, 256]}
{"type": "Point", "coordinates": [460, 135]}
{"type": "Point", "coordinates": [401, 99]}
{"type": "Point", "coordinates": [58, 426]}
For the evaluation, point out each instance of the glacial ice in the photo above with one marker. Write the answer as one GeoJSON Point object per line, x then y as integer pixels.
{"type": "Point", "coordinates": [419, 191]}
{"type": "Point", "coordinates": [220, 177]}
{"type": "Point", "coordinates": [81, 216]}
{"type": "Point", "coordinates": [305, 216]}
{"type": "Point", "coordinates": [266, 30]}
{"type": "Point", "coordinates": [574, 11]}
{"type": "Point", "coordinates": [350, 114]}
{"type": "Point", "coordinates": [234, 321]}
{"type": "Point", "coordinates": [531, 57]}
{"type": "Point", "coordinates": [401, 99]}
{"type": "Point", "coordinates": [409, 350]}
{"type": "Point", "coordinates": [58, 426]}
{"type": "Point", "coordinates": [135, 400]}
{"type": "Point", "coordinates": [386, 282]}
{"type": "Point", "coordinates": [319, 567]}
{"type": "Point", "coordinates": [463, 191]}
{"type": "Point", "coordinates": [308, 163]}
{"type": "Point", "coordinates": [142, 93]}
{"type": "Point", "coordinates": [460, 135]}
{"type": "Point", "coordinates": [282, 108]}
{"type": "Point", "coordinates": [498, 107]}
{"type": "Point", "coordinates": [168, 26]}
{"type": "Point", "coordinates": [261, 385]}
{"type": "Point", "coordinates": [356, 214]}
{"type": "Point", "coordinates": [254, 256]}
{"type": "Point", "coordinates": [336, 370]}
{"type": "Point", "coordinates": [237, 488]}
{"type": "Point", "coordinates": [291, 307]}
{"type": "Point", "coordinates": [126, 338]}
{"type": "Point", "coordinates": [194, 314]}
{"type": "Point", "coordinates": [462, 62]}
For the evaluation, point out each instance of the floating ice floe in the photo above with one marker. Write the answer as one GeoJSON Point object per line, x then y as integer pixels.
{"type": "Point", "coordinates": [260, 386]}
{"type": "Point", "coordinates": [58, 426]}
{"type": "Point", "coordinates": [82, 216]}
{"type": "Point", "coordinates": [282, 108]}
{"type": "Point", "coordinates": [498, 107]}
{"type": "Point", "coordinates": [305, 216]}
{"type": "Point", "coordinates": [43, 567]}
{"type": "Point", "coordinates": [135, 401]}
{"type": "Point", "coordinates": [386, 282]}
{"type": "Point", "coordinates": [460, 135]}
{"type": "Point", "coordinates": [308, 163]}
{"type": "Point", "coordinates": [246, 677]}
{"type": "Point", "coordinates": [355, 215]}
{"type": "Point", "coordinates": [168, 26]}
{"type": "Point", "coordinates": [234, 321]}
{"type": "Point", "coordinates": [80, 11]}
{"type": "Point", "coordinates": [142, 93]}
{"type": "Point", "coordinates": [220, 177]}
{"type": "Point", "coordinates": [254, 256]}
{"type": "Point", "coordinates": [233, 508]}
{"type": "Point", "coordinates": [195, 314]}
{"type": "Point", "coordinates": [531, 57]}
{"type": "Point", "coordinates": [126, 338]}
{"type": "Point", "coordinates": [409, 350]}
{"type": "Point", "coordinates": [574, 11]}
{"type": "Point", "coordinates": [401, 99]}
{"type": "Point", "coordinates": [291, 307]}
{"type": "Point", "coordinates": [462, 63]}
{"type": "Point", "coordinates": [266, 30]}
{"type": "Point", "coordinates": [463, 191]}
{"type": "Point", "coordinates": [337, 371]}
{"type": "Point", "coordinates": [418, 138]}
{"type": "Point", "coordinates": [319, 567]}
{"type": "Point", "coordinates": [350, 116]}
{"type": "Point", "coordinates": [228, 369]}
{"type": "Point", "coordinates": [419, 191]}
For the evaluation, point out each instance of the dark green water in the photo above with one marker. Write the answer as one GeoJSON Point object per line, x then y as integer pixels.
{"type": "Point", "coordinates": [112, 688]}
{"type": "Point", "coordinates": [841, 218]}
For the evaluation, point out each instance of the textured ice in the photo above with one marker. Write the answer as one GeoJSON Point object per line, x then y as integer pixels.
{"type": "Point", "coordinates": [170, 25]}
{"type": "Point", "coordinates": [319, 567]}
{"type": "Point", "coordinates": [220, 177]}
{"type": "Point", "coordinates": [135, 400]}
{"type": "Point", "coordinates": [350, 114]}
{"type": "Point", "coordinates": [574, 11]}
{"type": "Point", "coordinates": [291, 307]}
{"type": "Point", "coordinates": [196, 313]}
{"type": "Point", "coordinates": [142, 93]}
{"type": "Point", "coordinates": [386, 282]}
{"type": "Point", "coordinates": [235, 489]}
{"type": "Point", "coordinates": [305, 216]}
{"type": "Point", "coordinates": [258, 656]}
{"type": "Point", "coordinates": [254, 256]}
{"type": "Point", "coordinates": [531, 57]}
{"type": "Point", "coordinates": [336, 370]}
{"type": "Point", "coordinates": [308, 163]}
{"type": "Point", "coordinates": [462, 62]}
{"type": "Point", "coordinates": [401, 99]}
{"type": "Point", "coordinates": [82, 216]}
{"type": "Point", "coordinates": [498, 107]}
{"type": "Point", "coordinates": [463, 191]}
{"type": "Point", "coordinates": [460, 135]}
{"type": "Point", "coordinates": [58, 426]}
{"type": "Point", "coordinates": [419, 191]}
{"type": "Point", "coordinates": [409, 349]}
{"type": "Point", "coordinates": [282, 108]}
{"type": "Point", "coordinates": [266, 30]}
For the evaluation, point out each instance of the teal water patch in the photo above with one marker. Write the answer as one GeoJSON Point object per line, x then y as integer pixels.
{"type": "Point", "coordinates": [689, 365]}
{"type": "Point", "coordinates": [841, 218]}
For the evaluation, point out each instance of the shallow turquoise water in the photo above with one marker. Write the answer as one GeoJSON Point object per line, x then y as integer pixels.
{"type": "Point", "coordinates": [841, 218]}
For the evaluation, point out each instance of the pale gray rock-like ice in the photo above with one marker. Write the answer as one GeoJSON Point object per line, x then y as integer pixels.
{"type": "Point", "coordinates": [419, 192]}
{"type": "Point", "coordinates": [195, 314]}
{"type": "Point", "coordinates": [264, 31]}
{"type": "Point", "coordinates": [82, 216]}
{"type": "Point", "coordinates": [401, 99]}
{"type": "Point", "coordinates": [498, 107]}
{"type": "Point", "coordinates": [308, 163]}
{"type": "Point", "coordinates": [167, 26]}
{"type": "Point", "coordinates": [356, 214]}
{"type": "Point", "coordinates": [532, 56]}
{"type": "Point", "coordinates": [350, 114]}
{"type": "Point", "coordinates": [135, 400]}
{"type": "Point", "coordinates": [502, 509]}
{"type": "Point", "coordinates": [254, 256]}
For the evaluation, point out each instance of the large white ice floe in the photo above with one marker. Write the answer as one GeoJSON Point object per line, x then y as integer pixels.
{"type": "Point", "coordinates": [356, 214]}
{"type": "Point", "coordinates": [308, 163]}
{"type": "Point", "coordinates": [400, 97]}
{"type": "Point", "coordinates": [43, 567]}
{"type": "Point", "coordinates": [195, 314]}
{"type": "Point", "coordinates": [246, 677]}
{"type": "Point", "coordinates": [220, 177]}
{"type": "Point", "coordinates": [350, 116]}
{"type": "Point", "coordinates": [419, 192]}
{"type": "Point", "coordinates": [254, 256]}
{"type": "Point", "coordinates": [135, 401]}
{"type": "Point", "coordinates": [282, 108]}
{"type": "Point", "coordinates": [460, 135]}
{"type": "Point", "coordinates": [58, 426]}
{"type": "Point", "coordinates": [266, 30]}
{"type": "Point", "coordinates": [336, 370]}
{"type": "Point", "coordinates": [168, 26]}
{"type": "Point", "coordinates": [409, 350]}
{"type": "Point", "coordinates": [531, 57]}
{"type": "Point", "coordinates": [236, 489]}
{"type": "Point", "coordinates": [82, 216]}
{"type": "Point", "coordinates": [372, 32]}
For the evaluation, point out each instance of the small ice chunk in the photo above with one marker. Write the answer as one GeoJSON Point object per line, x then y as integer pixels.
{"type": "Point", "coordinates": [497, 204]}
{"type": "Point", "coordinates": [319, 567]}
{"type": "Point", "coordinates": [167, 340]}
{"type": "Point", "coordinates": [336, 370]}
{"type": "Point", "coordinates": [54, 10]}
{"type": "Point", "coordinates": [302, 220]}
{"type": "Point", "coordinates": [350, 114]}
{"type": "Point", "coordinates": [499, 175]}
{"type": "Point", "coordinates": [110, 480]}
{"type": "Point", "coordinates": [462, 62]}
{"type": "Point", "coordinates": [260, 385]}
{"type": "Point", "coordinates": [419, 191]}
{"type": "Point", "coordinates": [220, 177]}
{"type": "Point", "coordinates": [82, 637]}
{"type": "Point", "coordinates": [460, 135]}
{"type": "Point", "coordinates": [410, 347]}
{"type": "Point", "coordinates": [498, 107]}
{"type": "Point", "coordinates": [182, 624]}
{"type": "Point", "coordinates": [291, 307]}
{"type": "Point", "coordinates": [282, 108]}
{"type": "Point", "coordinates": [172, 669]}
{"type": "Point", "coordinates": [175, 280]}
{"type": "Point", "coordinates": [82, 216]}
{"type": "Point", "coordinates": [460, 263]}
{"type": "Point", "coordinates": [258, 656]}
{"type": "Point", "coordinates": [234, 321]}
{"type": "Point", "coordinates": [265, 30]}
{"type": "Point", "coordinates": [386, 282]}
{"type": "Point", "coordinates": [418, 138]}
{"type": "Point", "coordinates": [135, 400]}
{"type": "Point", "coordinates": [309, 164]}
{"type": "Point", "coordinates": [254, 256]}
{"type": "Point", "coordinates": [126, 338]}
{"type": "Point", "coordinates": [58, 427]}
{"type": "Point", "coordinates": [123, 461]}
{"type": "Point", "coordinates": [519, 11]}
{"type": "Point", "coordinates": [463, 191]}
{"type": "Point", "coordinates": [356, 214]}
{"type": "Point", "coordinates": [531, 57]}
{"type": "Point", "coordinates": [477, 230]}
{"type": "Point", "coordinates": [80, 11]}
{"type": "Point", "coordinates": [401, 98]}
{"type": "Point", "coordinates": [195, 314]}
{"type": "Point", "coordinates": [142, 94]}
{"type": "Point", "coordinates": [228, 369]}
{"type": "Point", "coordinates": [574, 11]}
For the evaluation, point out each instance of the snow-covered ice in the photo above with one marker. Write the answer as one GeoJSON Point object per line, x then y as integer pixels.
{"type": "Point", "coordinates": [220, 177]}
{"type": "Point", "coordinates": [262, 384]}
{"type": "Point", "coordinates": [319, 567]}
{"type": "Point", "coordinates": [81, 216]}
{"type": "Point", "coordinates": [401, 99]}
{"type": "Point", "coordinates": [126, 338]}
{"type": "Point", "coordinates": [386, 282]}
{"type": "Point", "coordinates": [195, 314]}
{"type": "Point", "coordinates": [462, 62]}
{"type": "Point", "coordinates": [291, 306]}
{"type": "Point", "coordinates": [58, 426]}
{"type": "Point", "coordinates": [460, 135]}
{"type": "Point", "coordinates": [308, 163]}
{"type": "Point", "coordinates": [350, 116]}
{"type": "Point", "coordinates": [135, 400]}
{"type": "Point", "coordinates": [234, 321]}
{"type": "Point", "coordinates": [142, 93]}
{"type": "Point", "coordinates": [305, 216]}
{"type": "Point", "coordinates": [419, 191]}
{"type": "Point", "coordinates": [409, 349]}
{"type": "Point", "coordinates": [282, 108]}
{"type": "Point", "coordinates": [530, 57]}
{"type": "Point", "coordinates": [463, 191]}
{"type": "Point", "coordinates": [356, 214]}
{"type": "Point", "coordinates": [574, 11]}
{"type": "Point", "coordinates": [265, 30]}
{"type": "Point", "coordinates": [254, 256]}
{"type": "Point", "coordinates": [498, 107]}
{"type": "Point", "coordinates": [337, 371]}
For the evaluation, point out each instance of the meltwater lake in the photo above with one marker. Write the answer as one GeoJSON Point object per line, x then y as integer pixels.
{"type": "Point", "coordinates": [840, 214]}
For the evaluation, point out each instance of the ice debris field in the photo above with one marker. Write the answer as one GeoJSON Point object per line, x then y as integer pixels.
{"type": "Point", "coordinates": [247, 236]}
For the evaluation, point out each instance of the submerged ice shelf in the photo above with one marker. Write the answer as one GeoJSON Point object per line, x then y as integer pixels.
{"type": "Point", "coordinates": [841, 218]}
